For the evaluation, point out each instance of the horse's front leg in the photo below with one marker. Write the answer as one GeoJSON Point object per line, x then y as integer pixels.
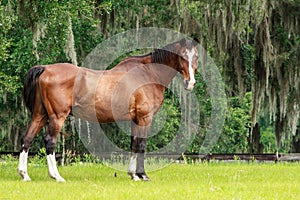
{"type": "Point", "coordinates": [138, 147]}
{"type": "Point", "coordinates": [22, 167]}
{"type": "Point", "coordinates": [140, 169]}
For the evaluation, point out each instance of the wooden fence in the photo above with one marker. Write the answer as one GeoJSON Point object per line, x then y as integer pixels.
{"type": "Point", "coordinates": [289, 157]}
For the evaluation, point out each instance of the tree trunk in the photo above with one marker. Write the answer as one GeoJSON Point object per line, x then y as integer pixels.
{"type": "Point", "coordinates": [296, 142]}
{"type": "Point", "coordinates": [255, 145]}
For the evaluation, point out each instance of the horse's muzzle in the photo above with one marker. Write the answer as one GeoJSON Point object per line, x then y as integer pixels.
{"type": "Point", "coordinates": [189, 85]}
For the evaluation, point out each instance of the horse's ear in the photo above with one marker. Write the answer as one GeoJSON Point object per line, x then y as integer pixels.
{"type": "Point", "coordinates": [195, 41]}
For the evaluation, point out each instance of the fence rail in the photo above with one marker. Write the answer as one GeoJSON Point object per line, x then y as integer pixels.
{"type": "Point", "coordinates": [289, 157]}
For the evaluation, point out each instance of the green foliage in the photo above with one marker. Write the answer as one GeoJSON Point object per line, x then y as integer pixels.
{"type": "Point", "coordinates": [236, 158]}
{"type": "Point", "coordinates": [85, 159]}
{"type": "Point", "coordinates": [248, 56]}
{"type": "Point", "coordinates": [6, 22]}
{"type": "Point", "coordinates": [234, 138]}
{"type": "Point", "coordinates": [40, 159]}
{"type": "Point", "coordinates": [9, 158]}
{"type": "Point", "coordinates": [204, 100]}
{"type": "Point", "coordinates": [171, 123]}
{"type": "Point", "coordinates": [8, 83]}
{"type": "Point", "coordinates": [281, 35]}
{"type": "Point", "coordinates": [268, 140]}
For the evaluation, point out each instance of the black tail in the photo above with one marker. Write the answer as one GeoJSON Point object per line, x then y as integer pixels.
{"type": "Point", "coordinates": [30, 86]}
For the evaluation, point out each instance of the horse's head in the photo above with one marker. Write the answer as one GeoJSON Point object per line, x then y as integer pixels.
{"type": "Point", "coordinates": [188, 62]}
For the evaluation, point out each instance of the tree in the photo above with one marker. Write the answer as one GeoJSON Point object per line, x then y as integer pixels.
{"type": "Point", "coordinates": [255, 45]}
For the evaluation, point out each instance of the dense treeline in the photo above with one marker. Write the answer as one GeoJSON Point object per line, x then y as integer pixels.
{"type": "Point", "coordinates": [255, 45]}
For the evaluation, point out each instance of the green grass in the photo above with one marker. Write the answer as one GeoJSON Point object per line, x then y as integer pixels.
{"type": "Point", "coordinates": [177, 181]}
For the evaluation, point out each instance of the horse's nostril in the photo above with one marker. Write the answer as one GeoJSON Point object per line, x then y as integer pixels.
{"type": "Point", "coordinates": [186, 83]}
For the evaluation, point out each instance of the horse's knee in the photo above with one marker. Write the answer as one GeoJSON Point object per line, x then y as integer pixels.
{"type": "Point", "coordinates": [142, 145]}
{"type": "Point", "coordinates": [138, 145]}
{"type": "Point", "coordinates": [26, 141]}
{"type": "Point", "coordinates": [50, 143]}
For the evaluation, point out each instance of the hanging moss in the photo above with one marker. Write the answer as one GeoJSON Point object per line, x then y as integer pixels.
{"type": "Point", "coordinates": [69, 48]}
{"type": "Point", "coordinates": [257, 43]}
{"type": "Point", "coordinates": [38, 33]}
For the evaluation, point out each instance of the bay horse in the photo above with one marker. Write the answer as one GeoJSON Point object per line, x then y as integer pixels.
{"type": "Point", "coordinates": [133, 90]}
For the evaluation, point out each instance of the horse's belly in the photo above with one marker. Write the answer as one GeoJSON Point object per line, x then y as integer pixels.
{"type": "Point", "coordinates": [111, 105]}
{"type": "Point", "coordinates": [98, 96]}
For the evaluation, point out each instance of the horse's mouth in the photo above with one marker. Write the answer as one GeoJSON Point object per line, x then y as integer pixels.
{"type": "Point", "coordinates": [189, 85]}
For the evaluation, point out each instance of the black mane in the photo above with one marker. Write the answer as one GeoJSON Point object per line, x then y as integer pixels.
{"type": "Point", "coordinates": [160, 55]}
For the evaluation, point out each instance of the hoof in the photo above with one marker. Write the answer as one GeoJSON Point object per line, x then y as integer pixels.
{"type": "Point", "coordinates": [24, 175]}
{"type": "Point", "coordinates": [26, 178]}
{"type": "Point", "coordinates": [144, 177]}
{"type": "Point", "coordinates": [134, 176]}
{"type": "Point", "coordinates": [57, 177]}
{"type": "Point", "coordinates": [60, 180]}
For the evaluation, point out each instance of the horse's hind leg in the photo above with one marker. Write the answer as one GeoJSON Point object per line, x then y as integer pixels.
{"type": "Point", "coordinates": [37, 122]}
{"type": "Point", "coordinates": [54, 127]}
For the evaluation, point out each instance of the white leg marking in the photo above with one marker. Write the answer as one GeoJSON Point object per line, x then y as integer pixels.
{"type": "Point", "coordinates": [52, 168]}
{"type": "Point", "coordinates": [132, 167]}
{"type": "Point", "coordinates": [22, 167]}
{"type": "Point", "coordinates": [192, 80]}
{"type": "Point", "coordinates": [132, 163]}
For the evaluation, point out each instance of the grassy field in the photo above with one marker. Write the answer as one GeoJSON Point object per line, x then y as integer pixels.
{"type": "Point", "coordinates": [177, 181]}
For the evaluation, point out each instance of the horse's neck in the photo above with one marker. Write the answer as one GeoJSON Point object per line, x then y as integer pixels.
{"type": "Point", "coordinates": [171, 60]}
{"type": "Point", "coordinates": [164, 73]}
{"type": "Point", "coordinates": [166, 69]}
